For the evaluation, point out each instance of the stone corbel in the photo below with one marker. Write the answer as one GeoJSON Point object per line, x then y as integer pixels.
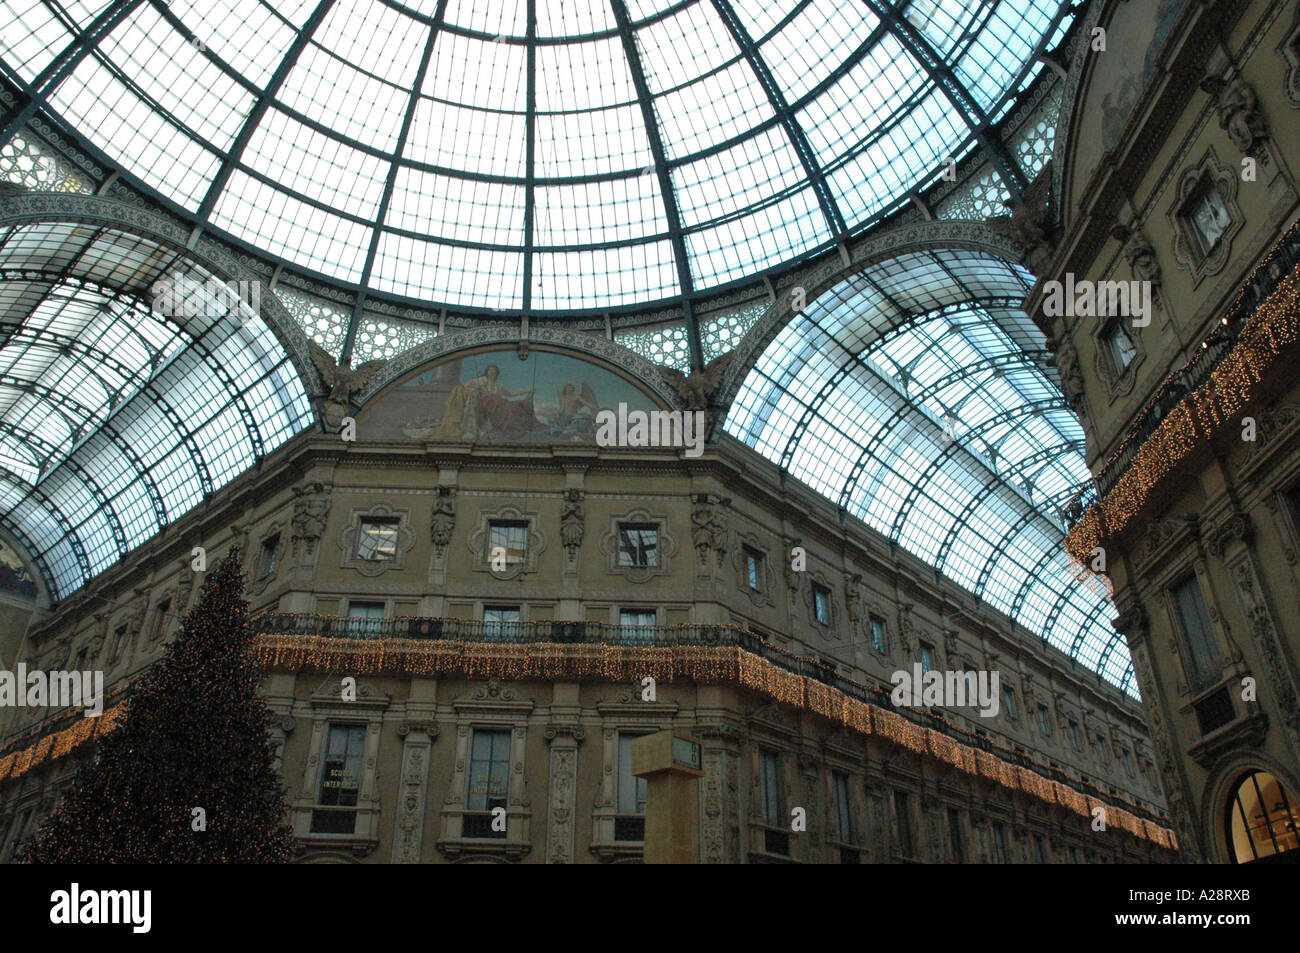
{"type": "Point", "coordinates": [1236, 527]}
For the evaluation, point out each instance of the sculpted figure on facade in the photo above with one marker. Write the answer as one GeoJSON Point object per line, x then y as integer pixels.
{"type": "Point", "coordinates": [443, 524]}
{"type": "Point", "coordinates": [572, 521]}
{"type": "Point", "coordinates": [310, 509]}
{"type": "Point", "coordinates": [1239, 112]}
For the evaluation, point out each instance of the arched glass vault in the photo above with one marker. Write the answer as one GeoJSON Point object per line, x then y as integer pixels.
{"type": "Point", "coordinates": [541, 155]}
{"type": "Point", "coordinates": [920, 398]}
{"type": "Point", "coordinates": [117, 418]}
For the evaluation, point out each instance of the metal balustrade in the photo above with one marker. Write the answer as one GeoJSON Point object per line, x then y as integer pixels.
{"type": "Point", "coordinates": [601, 633]}
{"type": "Point", "coordinates": [644, 636]}
{"type": "Point", "coordinates": [1279, 263]}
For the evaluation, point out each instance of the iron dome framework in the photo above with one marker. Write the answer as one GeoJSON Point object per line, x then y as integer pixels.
{"type": "Point", "coordinates": [920, 397]}
{"type": "Point", "coordinates": [544, 156]}
{"type": "Point", "coordinates": [550, 158]}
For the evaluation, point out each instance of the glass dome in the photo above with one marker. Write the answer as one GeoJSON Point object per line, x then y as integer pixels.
{"type": "Point", "coordinates": [542, 155]}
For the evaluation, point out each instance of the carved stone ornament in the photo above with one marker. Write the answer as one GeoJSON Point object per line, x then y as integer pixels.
{"type": "Point", "coordinates": [1250, 594]}
{"type": "Point", "coordinates": [311, 507]}
{"type": "Point", "coordinates": [1067, 364]}
{"type": "Point", "coordinates": [1239, 113]}
{"type": "Point", "coordinates": [572, 522]}
{"type": "Point", "coordinates": [342, 381]}
{"type": "Point", "coordinates": [1235, 527]}
{"type": "Point", "coordinates": [709, 525]}
{"type": "Point", "coordinates": [1139, 254]}
{"type": "Point", "coordinates": [443, 524]}
{"type": "Point", "coordinates": [1032, 223]}
{"type": "Point", "coordinates": [1289, 50]}
{"type": "Point", "coordinates": [696, 392]}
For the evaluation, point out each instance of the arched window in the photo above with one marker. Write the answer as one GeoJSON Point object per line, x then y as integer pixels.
{"type": "Point", "coordinates": [1263, 820]}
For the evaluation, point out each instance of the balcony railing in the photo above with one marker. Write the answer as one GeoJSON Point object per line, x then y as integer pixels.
{"type": "Point", "coordinates": [645, 636]}
{"type": "Point", "coordinates": [1279, 263]}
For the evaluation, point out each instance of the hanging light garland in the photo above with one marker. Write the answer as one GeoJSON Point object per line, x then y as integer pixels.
{"type": "Point", "coordinates": [60, 743]}
{"type": "Point", "coordinates": [1267, 340]}
{"type": "Point", "coordinates": [565, 662]}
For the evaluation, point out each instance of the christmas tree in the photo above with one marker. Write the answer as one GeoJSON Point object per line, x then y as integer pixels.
{"type": "Point", "coordinates": [187, 776]}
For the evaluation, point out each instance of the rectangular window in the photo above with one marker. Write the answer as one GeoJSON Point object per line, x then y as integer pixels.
{"type": "Point", "coordinates": [1207, 214]}
{"type": "Point", "coordinates": [629, 825]}
{"type": "Point", "coordinates": [1044, 722]}
{"type": "Point", "coordinates": [340, 780]}
{"type": "Point", "coordinates": [1000, 842]}
{"type": "Point", "coordinates": [843, 807]}
{"type": "Point", "coordinates": [769, 763]}
{"type": "Point", "coordinates": [1009, 703]}
{"type": "Point", "coordinates": [1124, 760]}
{"type": "Point", "coordinates": [377, 538]}
{"type": "Point", "coordinates": [509, 542]}
{"type": "Point", "coordinates": [954, 835]}
{"type": "Point", "coordinates": [1074, 734]}
{"type": "Point", "coordinates": [489, 774]}
{"type": "Point", "coordinates": [1195, 618]}
{"type": "Point", "coordinates": [160, 618]}
{"type": "Point", "coordinates": [501, 623]}
{"type": "Point", "coordinates": [271, 555]}
{"type": "Point", "coordinates": [927, 658]}
{"type": "Point", "coordinates": [638, 545]}
{"type": "Point", "coordinates": [119, 643]}
{"type": "Point", "coordinates": [903, 814]}
{"type": "Point", "coordinates": [754, 570]}
{"type": "Point", "coordinates": [1119, 346]}
{"type": "Point", "coordinates": [365, 620]}
{"type": "Point", "coordinates": [821, 604]}
{"type": "Point", "coordinates": [638, 625]}
{"type": "Point", "coordinates": [877, 633]}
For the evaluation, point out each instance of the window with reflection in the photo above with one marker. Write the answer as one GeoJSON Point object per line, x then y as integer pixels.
{"type": "Point", "coordinates": [501, 623]}
{"type": "Point", "coordinates": [1263, 820]}
{"type": "Point", "coordinates": [1189, 603]}
{"type": "Point", "coordinates": [821, 604]}
{"type": "Point", "coordinates": [340, 780]}
{"type": "Point", "coordinates": [1120, 348]}
{"type": "Point", "coordinates": [489, 774]}
{"type": "Point", "coordinates": [753, 569]}
{"type": "Point", "coordinates": [508, 541]}
{"type": "Point", "coordinates": [638, 545]}
{"type": "Point", "coordinates": [629, 823]}
{"type": "Point", "coordinates": [377, 540]}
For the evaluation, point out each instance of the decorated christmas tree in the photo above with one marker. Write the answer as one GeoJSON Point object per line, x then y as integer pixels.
{"type": "Point", "coordinates": [187, 776]}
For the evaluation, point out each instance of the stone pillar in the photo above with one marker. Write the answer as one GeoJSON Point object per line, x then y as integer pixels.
{"type": "Point", "coordinates": [1132, 622]}
{"type": "Point", "coordinates": [564, 740]}
{"type": "Point", "coordinates": [413, 791]}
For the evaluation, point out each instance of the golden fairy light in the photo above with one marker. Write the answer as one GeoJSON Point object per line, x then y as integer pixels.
{"type": "Point", "coordinates": [561, 662]}
{"type": "Point", "coordinates": [1267, 340]}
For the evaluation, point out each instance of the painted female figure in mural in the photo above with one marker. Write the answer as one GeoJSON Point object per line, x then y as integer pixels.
{"type": "Point", "coordinates": [483, 407]}
{"type": "Point", "coordinates": [548, 398]}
